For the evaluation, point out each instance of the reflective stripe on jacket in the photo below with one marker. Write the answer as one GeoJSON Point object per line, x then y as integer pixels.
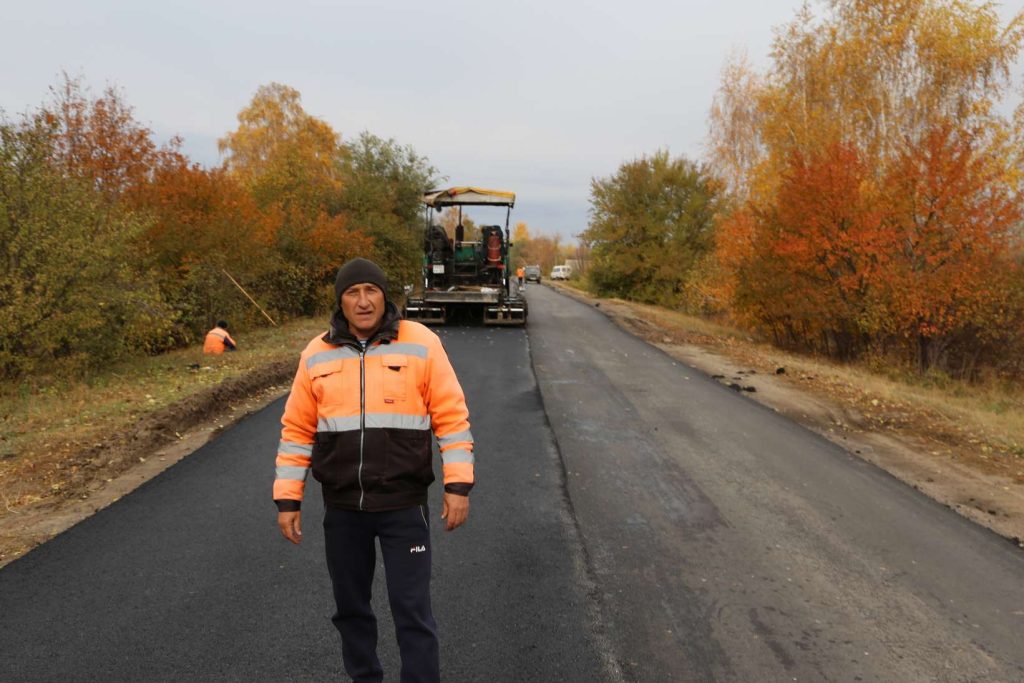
{"type": "Point", "coordinates": [361, 422]}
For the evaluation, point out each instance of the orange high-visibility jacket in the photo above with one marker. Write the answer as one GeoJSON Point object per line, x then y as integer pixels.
{"type": "Point", "coordinates": [217, 341]}
{"type": "Point", "coordinates": [361, 422]}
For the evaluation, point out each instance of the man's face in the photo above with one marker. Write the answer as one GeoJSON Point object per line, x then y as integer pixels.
{"type": "Point", "coordinates": [363, 307]}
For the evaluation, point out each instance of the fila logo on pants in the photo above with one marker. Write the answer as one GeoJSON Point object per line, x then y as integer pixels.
{"type": "Point", "coordinates": [418, 549]}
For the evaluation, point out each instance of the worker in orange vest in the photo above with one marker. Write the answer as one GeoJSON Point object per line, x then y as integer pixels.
{"type": "Point", "coordinates": [218, 340]}
{"type": "Point", "coordinates": [520, 273]}
{"type": "Point", "coordinates": [368, 443]}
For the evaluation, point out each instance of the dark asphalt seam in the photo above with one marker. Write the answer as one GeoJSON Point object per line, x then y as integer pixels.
{"type": "Point", "coordinates": [583, 565]}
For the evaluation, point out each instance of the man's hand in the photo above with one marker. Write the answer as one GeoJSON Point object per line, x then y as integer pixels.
{"type": "Point", "coordinates": [454, 511]}
{"type": "Point", "coordinates": [290, 524]}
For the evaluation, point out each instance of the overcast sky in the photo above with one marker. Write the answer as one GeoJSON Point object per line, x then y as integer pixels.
{"type": "Point", "coordinates": [536, 97]}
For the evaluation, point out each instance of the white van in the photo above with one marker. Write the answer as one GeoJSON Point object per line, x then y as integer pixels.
{"type": "Point", "coordinates": [561, 272]}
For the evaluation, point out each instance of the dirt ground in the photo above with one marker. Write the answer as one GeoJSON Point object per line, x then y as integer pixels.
{"type": "Point", "coordinates": [943, 460]}
{"type": "Point", "coordinates": [948, 462]}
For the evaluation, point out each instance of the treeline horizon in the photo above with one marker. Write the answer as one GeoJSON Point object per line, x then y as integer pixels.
{"type": "Point", "coordinates": [114, 245]}
{"type": "Point", "coordinates": [862, 198]}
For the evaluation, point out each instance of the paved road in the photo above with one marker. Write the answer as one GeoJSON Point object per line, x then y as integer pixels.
{"type": "Point", "coordinates": [678, 531]}
{"type": "Point", "coordinates": [731, 544]}
{"type": "Point", "coordinates": [187, 578]}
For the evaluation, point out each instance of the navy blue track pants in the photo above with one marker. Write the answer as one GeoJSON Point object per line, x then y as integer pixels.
{"type": "Point", "coordinates": [351, 558]}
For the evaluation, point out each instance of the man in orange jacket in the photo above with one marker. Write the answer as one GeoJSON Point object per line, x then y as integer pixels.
{"type": "Point", "coordinates": [218, 340]}
{"type": "Point", "coordinates": [366, 397]}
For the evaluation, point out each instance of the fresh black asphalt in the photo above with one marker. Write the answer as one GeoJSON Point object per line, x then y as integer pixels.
{"type": "Point", "coordinates": [732, 544]}
{"type": "Point", "coordinates": [188, 579]}
{"type": "Point", "coordinates": [677, 531]}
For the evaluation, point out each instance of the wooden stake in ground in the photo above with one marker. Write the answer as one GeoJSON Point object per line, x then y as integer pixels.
{"type": "Point", "coordinates": [249, 297]}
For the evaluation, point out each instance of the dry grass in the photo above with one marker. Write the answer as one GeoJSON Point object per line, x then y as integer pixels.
{"type": "Point", "coordinates": [42, 429]}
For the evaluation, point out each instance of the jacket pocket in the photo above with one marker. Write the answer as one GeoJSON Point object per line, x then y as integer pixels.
{"type": "Point", "coordinates": [409, 461]}
{"type": "Point", "coordinates": [335, 460]}
{"type": "Point", "coordinates": [395, 369]}
{"type": "Point", "coordinates": [335, 383]}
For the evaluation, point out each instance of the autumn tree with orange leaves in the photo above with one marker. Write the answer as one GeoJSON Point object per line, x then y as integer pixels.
{"type": "Point", "coordinates": [954, 217]}
{"type": "Point", "coordinates": [113, 244]}
{"type": "Point", "coordinates": [202, 225]}
{"type": "Point", "coordinates": [333, 200]}
{"type": "Point", "coordinates": [289, 161]}
{"type": "Point", "coordinates": [874, 186]}
{"type": "Point", "coordinates": [806, 265]}
{"type": "Point", "coordinates": [99, 140]}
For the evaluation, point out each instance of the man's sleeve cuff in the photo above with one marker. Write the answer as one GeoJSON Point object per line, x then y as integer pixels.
{"type": "Point", "coordinates": [458, 488]}
{"type": "Point", "coordinates": [286, 505]}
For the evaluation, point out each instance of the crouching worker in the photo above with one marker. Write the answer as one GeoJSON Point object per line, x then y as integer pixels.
{"type": "Point", "coordinates": [218, 340]}
{"type": "Point", "coordinates": [366, 396]}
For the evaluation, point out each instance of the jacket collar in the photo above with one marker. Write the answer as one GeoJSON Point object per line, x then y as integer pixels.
{"type": "Point", "coordinates": [339, 334]}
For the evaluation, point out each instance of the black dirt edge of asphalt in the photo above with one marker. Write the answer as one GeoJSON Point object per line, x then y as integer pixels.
{"type": "Point", "coordinates": [583, 564]}
{"type": "Point", "coordinates": [158, 429]}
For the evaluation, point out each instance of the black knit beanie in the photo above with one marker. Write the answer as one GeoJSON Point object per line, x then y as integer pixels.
{"type": "Point", "coordinates": [358, 271]}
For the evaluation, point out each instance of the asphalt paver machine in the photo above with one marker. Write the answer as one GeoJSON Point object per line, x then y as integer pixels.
{"type": "Point", "coordinates": [466, 279]}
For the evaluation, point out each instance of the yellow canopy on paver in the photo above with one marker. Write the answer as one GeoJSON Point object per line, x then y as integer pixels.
{"type": "Point", "coordinates": [469, 196]}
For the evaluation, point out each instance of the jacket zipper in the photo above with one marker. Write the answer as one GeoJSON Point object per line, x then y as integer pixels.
{"type": "Point", "coordinates": [362, 409]}
{"type": "Point", "coordinates": [362, 418]}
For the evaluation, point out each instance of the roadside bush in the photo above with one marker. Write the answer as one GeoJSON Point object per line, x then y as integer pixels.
{"type": "Point", "coordinates": [111, 244]}
{"type": "Point", "coordinates": [651, 224]}
{"type": "Point", "coordinates": [68, 294]}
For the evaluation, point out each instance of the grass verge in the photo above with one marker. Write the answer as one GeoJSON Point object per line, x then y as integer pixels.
{"type": "Point", "coordinates": [60, 441]}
